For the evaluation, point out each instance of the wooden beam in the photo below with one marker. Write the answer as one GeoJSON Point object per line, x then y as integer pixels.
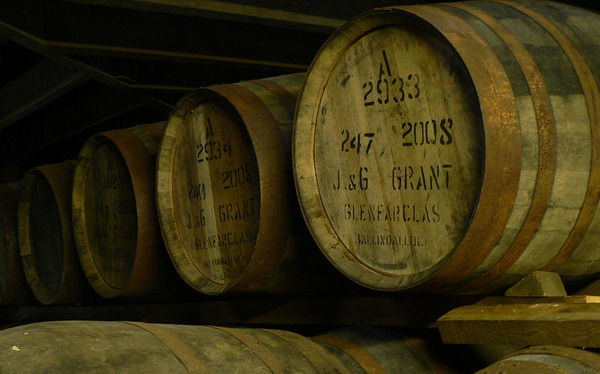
{"type": "Point", "coordinates": [38, 45]}
{"type": "Point", "coordinates": [40, 85]}
{"type": "Point", "coordinates": [290, 15]}
{"type": "Point", "coordinates": [566, 324]}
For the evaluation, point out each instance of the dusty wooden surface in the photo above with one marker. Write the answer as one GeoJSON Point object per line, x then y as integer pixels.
{"type": "Point", "coordinates": [225, 189]}
{"type": "Point", "coordinates": [538, 283]}
{"type": "Point", "coordinates": [534, 323]}
{"type": "Point", "coordinates": [440, 147]}
{"type": "Point", "coordinates": [134, 347]}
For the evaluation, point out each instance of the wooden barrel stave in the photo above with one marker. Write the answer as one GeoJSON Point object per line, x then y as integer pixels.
{"type": "Point", "coordinates": [539, 226]}
{"type": "Point", "coordinates": [254, 118]}
{"type": "Point", "coordinates": [143, 347]}
{"type": "Point", "coordinates": [547, 359]}
{"type": "Point", "coordinates": [375, 350]}
{"type": "Point", "coordinates": [538, 97]}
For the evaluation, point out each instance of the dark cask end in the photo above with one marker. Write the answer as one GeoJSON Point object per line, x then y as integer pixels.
{"type": "Point", "coordinates": [454, 147]}
{"type": "Point", "coordinates": [137, 347]}
{"type": "Point", "coordinates": [114, 211]}
{"type": "Point", "coordinates": [225, 186]}
{"type": "Point", "coordinates": [13, 286]}
{"type": "Point", "coordinates": [45, 235]}
{"type": "Point", "coordinates": [546, 360]}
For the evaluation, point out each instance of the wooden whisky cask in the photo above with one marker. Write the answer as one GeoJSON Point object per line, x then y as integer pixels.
{"type": "Point", "coordinates": [546, 360]}
{"type": "Point", "coordinates": [376, 350]}
{"type": "Point", "coordinates": [136, 347]}
{"type": "Point", "coordinates": [13, 286]}
{"type": "Point", "coordinates": [45, 235]}
{"type": "Point", "coordinates": [114, 211]}
{"type": "Point", "coordinates": [454, 147]}
{"type": "Point", "coordinates": [225, 187]}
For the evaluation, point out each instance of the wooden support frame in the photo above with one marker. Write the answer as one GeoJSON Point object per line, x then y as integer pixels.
{"type": "Point", "coordinates": [536, 315]}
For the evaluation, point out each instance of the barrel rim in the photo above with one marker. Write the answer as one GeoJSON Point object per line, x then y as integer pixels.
{"type": "Point", "coordinates": [132, 152]}
{"type": "Point", "coordinates": [70, 287]}
{"type": "Point", "coordinates": [305, 175]}
{"type": "Point", "coordinates": [271, 171]}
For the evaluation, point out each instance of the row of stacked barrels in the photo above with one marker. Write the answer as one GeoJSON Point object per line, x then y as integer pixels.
{"type": "Point", "coordinates": [447, 148]}
{"type": "Point", "coordinates": [140, 347]}
{"type": "Point", "coordinates": [225, 196]}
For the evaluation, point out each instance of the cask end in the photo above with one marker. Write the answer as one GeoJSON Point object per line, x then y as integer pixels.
{"type": "Point", "coordinates": [45, 235]}
{"type": "Point", "coordinates": [454, 147]}
{"type": "Point", "coordinates": [137, 347]}
{"type": "Point", "coordinates": [114, 211]}
{"type": "Point", "coordinates": [225, 187]}
{"type": "Point", "coordinates": [13, 286]}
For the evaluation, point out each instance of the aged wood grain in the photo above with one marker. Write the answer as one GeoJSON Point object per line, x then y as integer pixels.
{"type": "Point", "coordinates": [547, 359]}
{"type": "Point", "coordinates": [501, 98]}
{"type": "Point", "coordinates": [143, 347]}
{"type": "Point", "coordinates": [565, 324]}
{"type": "Point", "coordinates": [225, 189]}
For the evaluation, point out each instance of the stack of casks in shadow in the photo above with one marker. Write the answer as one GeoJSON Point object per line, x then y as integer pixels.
{"type": "Point", "coordinates": [136, 347]}
{"type": "Point", "coordinates": [436, 149]}
{"type": "Point", "coordinates": [454, 148]}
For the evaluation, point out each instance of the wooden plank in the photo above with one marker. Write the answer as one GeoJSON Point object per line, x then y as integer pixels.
{"type": "Point", "coordinates": [71, 28]}
{"type": "Point", "coordinates": [43, 83]}
{"type": "Point", "coordinates": [301, 15]}
{"type": "Point", "coordinates": [576, 299]}
{"type": "Point", "coordinates": [538, 283]}
{"type": "Point", "coordinates": [565, 324]}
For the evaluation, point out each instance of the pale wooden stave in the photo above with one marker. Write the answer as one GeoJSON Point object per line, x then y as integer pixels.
{"type": "Point", "coordinates": [45, 235]}
{"type": "Point", "coordinates": [114, 212]}
{"type": "Point", "coordinates": [251, 119]}
{"type": "Point", "coordinates": [144, 347]}
{"type": "Point", "coordinates": [546, 360]}
{"type": "Point", "coordinates": [491, 251]}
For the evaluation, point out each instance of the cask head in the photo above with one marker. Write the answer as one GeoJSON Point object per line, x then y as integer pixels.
{"type": "Point", "coordinates": [389, 150]}
{"type": "Point", "coordinates": [216, 191]}
{"type": "Point", "coordinates": [110, 215]}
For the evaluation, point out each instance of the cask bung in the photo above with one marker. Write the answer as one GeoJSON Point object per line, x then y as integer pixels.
{"type": "Point", "coordinates": [114, 211]}
{"type": "Point", "coordinates": [13, 286]}
{"type": "Point", "coordinates": [547, 359]}
{"type": "Point", "coordinates": [45, 235]}
{"type": "Point", "coordinates": [136, 347]}
{"type": "Point", "coordinates": [454, 147]}
{"type": "Point", "coordinates": [225, 188]}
